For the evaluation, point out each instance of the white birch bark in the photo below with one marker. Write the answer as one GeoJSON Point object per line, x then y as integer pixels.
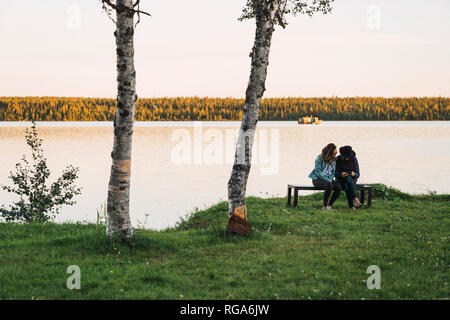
{"type": "Point", "coordinates": [255, 89]}
{"type": "Point", "coordinates": [118, 220]}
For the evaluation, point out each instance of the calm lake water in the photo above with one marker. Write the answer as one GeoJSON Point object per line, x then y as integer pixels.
{"type": "Point", "coordinates": [180, 166]}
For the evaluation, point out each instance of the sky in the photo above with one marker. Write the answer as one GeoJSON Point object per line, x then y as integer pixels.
{"type": "Point", "coordinates": [199, 48]}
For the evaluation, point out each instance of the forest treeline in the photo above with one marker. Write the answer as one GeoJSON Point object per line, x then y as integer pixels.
{"type": "Point", "coordinates": [206, 108]}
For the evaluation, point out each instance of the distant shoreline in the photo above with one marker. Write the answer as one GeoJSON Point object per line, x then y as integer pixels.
{"type": "Point", "coordinates": [226, 109]}
{"type": "Point", "coordinates": [230, 124]}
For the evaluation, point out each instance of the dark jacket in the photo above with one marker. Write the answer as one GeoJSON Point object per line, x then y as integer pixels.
{"type": "Point", "coordinates": [347, 165]}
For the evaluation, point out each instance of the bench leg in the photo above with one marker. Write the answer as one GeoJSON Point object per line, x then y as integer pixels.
{"type": "Point", "coordinates": [363, 195]}
{"type": "Point", "coordinates": [295, 197]}
{"type": "Point", "coordinates": [289, 195]}
{"type": "Point", "coordinates": [369, 198]}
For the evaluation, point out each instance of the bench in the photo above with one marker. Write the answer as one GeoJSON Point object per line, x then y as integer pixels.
{"type": "Point", "coordinates": [297, 187]}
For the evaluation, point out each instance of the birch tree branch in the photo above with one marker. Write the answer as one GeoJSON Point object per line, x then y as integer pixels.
{"type": "Point", "coordinates": [108, 5]}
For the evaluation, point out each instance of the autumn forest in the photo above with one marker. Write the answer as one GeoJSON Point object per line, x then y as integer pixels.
{"type": "Point", "coordinates": [216, 109]}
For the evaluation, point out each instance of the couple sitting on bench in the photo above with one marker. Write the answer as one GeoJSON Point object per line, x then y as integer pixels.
{"type": "Point", "coordinates": [344, 168]}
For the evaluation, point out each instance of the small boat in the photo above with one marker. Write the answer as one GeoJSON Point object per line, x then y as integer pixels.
{"type": "Point", "coordinates": [309, 120]}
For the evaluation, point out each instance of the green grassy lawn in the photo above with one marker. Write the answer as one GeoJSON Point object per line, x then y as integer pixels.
{"type": "Point", "coordinates": [302, 253]}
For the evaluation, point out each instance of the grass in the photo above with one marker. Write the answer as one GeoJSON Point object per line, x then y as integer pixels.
{"type": "Point", "coordinates": [302, 253]}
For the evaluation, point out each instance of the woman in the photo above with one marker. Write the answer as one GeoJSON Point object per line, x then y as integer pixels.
{"type": "Point", "coordinates": [347, 172]}
{"type": "Point", "coordinates": [323, 174]}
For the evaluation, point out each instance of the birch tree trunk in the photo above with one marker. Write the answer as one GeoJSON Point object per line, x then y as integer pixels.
{"type": "Point", "coordinates": [237, 210]}
{"type": "Point", "coordinates": [118, 221]}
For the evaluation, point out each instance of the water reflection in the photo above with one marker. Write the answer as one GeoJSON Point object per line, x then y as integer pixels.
{"type": "Point", "coordinates": [411, 156]}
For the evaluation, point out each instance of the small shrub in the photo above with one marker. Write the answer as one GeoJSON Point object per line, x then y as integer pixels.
{"type": "Point", "coordinates": [388, 193]}
{"type": "Point", "coordinates": [38, 201]}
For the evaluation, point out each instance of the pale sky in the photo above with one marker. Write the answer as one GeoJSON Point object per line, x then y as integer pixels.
{"type": "Point", "coordinates": [198, 47]}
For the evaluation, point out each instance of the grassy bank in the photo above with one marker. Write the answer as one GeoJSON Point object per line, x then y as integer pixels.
{"type": "Point", "coordinates": [302, 253]}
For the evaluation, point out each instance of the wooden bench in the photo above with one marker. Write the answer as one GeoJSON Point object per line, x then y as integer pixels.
{"type": "Point", "coordinates": [297, 187]}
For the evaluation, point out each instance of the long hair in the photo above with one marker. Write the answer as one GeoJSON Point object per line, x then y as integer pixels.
{"type": "Point", "coordinates": [327, 153]}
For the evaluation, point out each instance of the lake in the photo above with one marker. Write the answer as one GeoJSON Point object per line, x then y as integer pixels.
{"type": "Point", "coordinates": [180, 166]}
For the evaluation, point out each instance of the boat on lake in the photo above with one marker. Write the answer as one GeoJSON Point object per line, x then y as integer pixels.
{"type": "Point", "coordinates": [309, 120]}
